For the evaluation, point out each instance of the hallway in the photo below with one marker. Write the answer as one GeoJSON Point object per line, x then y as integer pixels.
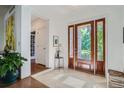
{"type": "Point", "coordinates": [35, 68]}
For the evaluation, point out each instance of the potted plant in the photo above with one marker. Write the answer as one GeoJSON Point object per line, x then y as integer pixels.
{"type": "Point", "coordinates": [10, 63]}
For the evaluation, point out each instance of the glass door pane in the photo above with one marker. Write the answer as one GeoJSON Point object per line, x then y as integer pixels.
{"type": "Point", "coordinates": [100, 41]}
{"type": "Point", "coordinates": [84, 42]}
{"type": "Point", "coordinates": [71, 43]}
{"type": "Point", "coordinates": [100, 46]}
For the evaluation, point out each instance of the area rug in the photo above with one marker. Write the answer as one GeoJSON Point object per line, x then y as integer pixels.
{"type": "Point", "coordinates": [69, 79]}
{"type": "Point", "coordinates": [74, 82]}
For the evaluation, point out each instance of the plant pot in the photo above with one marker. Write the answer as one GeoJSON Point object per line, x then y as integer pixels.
{"type": "Point", "coordinates": [10, 78]}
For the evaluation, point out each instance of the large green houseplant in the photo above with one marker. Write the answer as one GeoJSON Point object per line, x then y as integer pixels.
{"type": "Point", "coordinates": [10, 63]}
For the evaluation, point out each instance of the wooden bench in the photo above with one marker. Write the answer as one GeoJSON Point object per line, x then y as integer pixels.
{"type": "Point", "coordinates": [116, 79]}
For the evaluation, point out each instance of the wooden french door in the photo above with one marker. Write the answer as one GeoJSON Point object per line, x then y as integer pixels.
{"type": "Point", "coordinates": [71, 46]}
{"type": "Point", "coordinates": [86, 46]}
{"type": "Point", "coordinates": [100, 46]}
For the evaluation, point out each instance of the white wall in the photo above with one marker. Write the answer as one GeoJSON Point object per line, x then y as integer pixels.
{"type": "Point", "coordinates": [58, 27]}
{"type": "Point", "coordinates": [122, 25]}
{"type": "Point", "coordinates": [23, 29]}
{"type": "Point", "coordinates": [115, 41]}
{"type": "Point", "coordinates": [25, 40]}
{"type": "Point", "coordinates": [41, 27]}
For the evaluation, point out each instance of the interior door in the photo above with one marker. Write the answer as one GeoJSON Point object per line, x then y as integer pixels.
{"type": "Point", "coordinates": [84, 46]}
{"type": "Point", "coordinates": [71, 46]}
{"type": "Point", "coordinates": [100, 46]}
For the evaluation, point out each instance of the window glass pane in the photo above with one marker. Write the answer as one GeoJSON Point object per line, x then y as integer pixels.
{"type": "Point", "coordinates": [99, 41]}
{"type": "Point", "coordinates": [71, 42]}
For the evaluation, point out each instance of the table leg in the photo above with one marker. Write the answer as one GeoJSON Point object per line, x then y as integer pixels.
{"type": "Point", "coordinates": [63, 63]}
{"type": "Point", "coordinates": [59, 64]}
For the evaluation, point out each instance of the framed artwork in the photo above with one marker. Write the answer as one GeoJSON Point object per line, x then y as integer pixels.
{"type": "Point", "coordinates": [55, 41]}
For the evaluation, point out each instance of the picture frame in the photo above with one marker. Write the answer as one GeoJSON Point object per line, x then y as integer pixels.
{"type": "Point", "coordinates": [55, 41]}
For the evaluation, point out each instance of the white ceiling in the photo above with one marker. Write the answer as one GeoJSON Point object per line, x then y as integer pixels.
{"type": "Point", "coordinates": [61, 11]}
{"type": "Point", "coordinates": [49, 11]}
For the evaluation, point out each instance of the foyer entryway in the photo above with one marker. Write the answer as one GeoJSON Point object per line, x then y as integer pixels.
{"type": "Point", "coordinates": [86, 46]}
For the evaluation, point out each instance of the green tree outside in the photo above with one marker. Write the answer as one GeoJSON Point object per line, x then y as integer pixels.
{"type": "Point", "coordinates": [86, 43]}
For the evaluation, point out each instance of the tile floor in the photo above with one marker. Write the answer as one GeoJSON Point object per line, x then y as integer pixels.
{"type": "Point", "coordinates": [70, 79]}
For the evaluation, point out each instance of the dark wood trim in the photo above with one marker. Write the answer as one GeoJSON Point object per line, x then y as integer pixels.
{"type": "Point", "coordinates": [96, 21]}
{"type": "Point", "coordinates": [71, 26]}
{"type": "Point", "coordinates": [85, 23]}
{"type": "Point", "coordinates": [76, 45]}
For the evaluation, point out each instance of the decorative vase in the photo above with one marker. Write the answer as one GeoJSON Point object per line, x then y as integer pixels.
{"type": "Point", "coordinates": [9, 79]}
